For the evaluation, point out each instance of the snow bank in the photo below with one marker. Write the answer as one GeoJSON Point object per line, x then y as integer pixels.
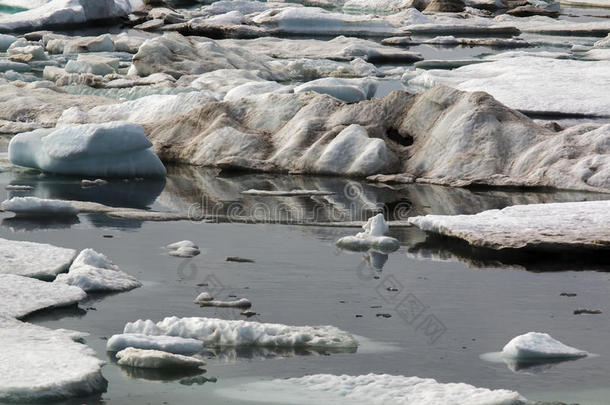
{"type": "Point", "coordinates": [218, 332]}
{"type": "Point", "coordinates": [38, 364]}
{"type": "Point", "coordinates": [371, 389]}
{"type": "Point", "coordinates": [39, 207]}
{"type": "Point", "coordinates": [156, 359]}
{"type": "Point", "coordinates": [557, 225]}
{"type": "Point", "coordinates": [92, 271]}
{"type": "Point", "coordinates": [116, 149]}
{"type": "Point", "coordinates": [534, 345]}
{"type": "Point", "coordinates": [170, 344]}
{"type": "Point", "coordinates": [20, 296]}
{"type": "Point", "coordinates": [371, 238]}
{"type": "Point", "coordinates": [38, 260]}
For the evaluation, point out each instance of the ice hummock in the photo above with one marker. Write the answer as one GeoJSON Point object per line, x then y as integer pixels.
{"type": "Point", "coordinates": [30, 259]}
{"type": "Point", "coordinates": [371, 238]}
{"type": "Point", "coordinates": [140, 358]}
{"type": "Point", "coordinates": [171, 344]}
{"type": "Point", "coordinates": [219, 332]}
{"type": "Point", "coordinates": [39, 364]}
{"type": "Point", "coordinates": [93, 271]}
{"type": "Point", "coordinates": [539, 346]}
{"type": "Point", "coordinates": [370, 389]}
{"type": "Point", "coordinates": [114, 149]}
{"type": "Point", "coordinates": [39, 207]}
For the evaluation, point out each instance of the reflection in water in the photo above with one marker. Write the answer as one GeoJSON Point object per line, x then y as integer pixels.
{"type": "Point", "coordinates": [530, 366]}
{"type": "Point", "coordinates": [375, 260]}
{"type": "Point", "coordinates": [233, 354]}
{"type": "Point", "coordinates": [157, 374]}
{"type": "Point", "coordinates": [28, 224]}
{"type": "Point", "coordinates": [441, 248]}
{"type": "Point", "coordinates": [199, 380]}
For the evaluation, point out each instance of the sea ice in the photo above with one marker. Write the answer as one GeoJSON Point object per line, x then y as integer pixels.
{"type": "Point", "coordinates": [20, 296]}
{"type": "Point", "coordinates": [219, 332]}
{"type": "Point", "coordinates": [170, 344]}
{"type": "Point", "coordinates": [539, 346]}
{"type": "Point", "coordinates": [348, 90]}
{"type": "Point", "coordinates": [115, 149]}
{"type": "Point", "coordinates": [371, 238]}
{"type": "Point", "coordinates": [40, 365]}
{"type": "Point", "coordinates": [32, 259]}
{"type": "Point", "coordinates": [371, 389]}
{"type": "Point", "coordinates": [132, 357]}
{"type": "Point", "coordinates": [571, 225]}
{"type": "Point", "coordinates": [39, 207]}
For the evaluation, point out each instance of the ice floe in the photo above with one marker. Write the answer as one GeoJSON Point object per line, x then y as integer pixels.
{"type": "Point", "coordinates": [372, 389]}
{"type": "Point", "coordinates": [219, 332]}
{"type": "Point", "coordinates": [539, 346]}
{"type": "Point", "coordinates": [21, 296]}
{"type": "Point", "coordinates": [554, 86]}
{"type": "Point", "coordinates": [39, 364]}
{"type": "Point", "coordinates": [572, 225]}
{"type": "Point", "coordinates": [170, 344]}
{"type": "Point", "coordinates": [372, 237]}
{"type": "Point", "coordinates": [92, 271]}
{"type": "Point", "coordinates": [39, 207]}
{"type": "Point", "coordinates": [132, 357]}
{"type": "Point", "coordinates": [32, 259]}
{"type": "Point", "coordinates": [106, 150]}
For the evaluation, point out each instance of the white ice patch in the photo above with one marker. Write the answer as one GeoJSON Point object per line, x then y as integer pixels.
{"type": "Point", "coordinates": [132, 357]}
{"type": "Point", "coordinates": [20, 296]}
{"type": "Point", "coordinates": [370, 389]}
{"type": "Point", "coordinates": [563, 225]}
{"type": "Point", "coordinates": [171, 344]}
{"type": "Point", "coordinates": [115, 149]}
{"type": "Point", "coordinates": [32, 259]}
{"type": "Point", "coordinates": [348, 90]}
{"type": "Point", "coordinates": [39, 364]}
{"type": "Point", "coordinates": [39, 207]}
{"type": "Point", "coordinates": [92, 271]}
{"type": "Point", "coordinates": [219, 332]}
{"type": "Point", "coordinates": [534, 345]}
{"type": "Point", "coordinates": [184, 248]}
{"type": "Point", "coordinates": [372, 237]}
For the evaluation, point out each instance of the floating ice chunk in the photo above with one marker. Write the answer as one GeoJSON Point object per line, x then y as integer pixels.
{"type": "Point", "coordinates": [38, 260]}
{"type": "Point", "coordinates": [240, 303]}
{"type": "Point", "coordinates": [288, 193]}
{"type": "Point", "coordinates": [92, 183]}
{"type": "Point", "coordinates": [156, 359]}
{"type": "Point", "coordinates": [348, 90]}
{"type": "Point", "coordinates": [91, 278]}
{"type": "Point", "coordinates": [371, 389]}
{"type": "Point", "coordinates": [18, 187]}
{"type": "Point", "coordinates": [204, 296]}
{"type": "Point", "coordinates": [184, 248]}
{"type": "Point", "coordinates": [534, 345]}
{"type": "Point", "coordinates": [219, 332]}
{"type": "Point", "coordinates": [115, 149]}
{"type": "Point", "coordinates": [93, 271]}
{"type": "Point", "coordinates": [574, 225]}
{"type": "Point", "coordinates": [40, 365]}
{"type": "Point", "coordinates": [170, 344]}
{"type": "Point", "coordinates": [371, 238]}
{"type": "Point", "coordinates": [20, 296]}
{"type": "Point", "coordinates": [39, 207]}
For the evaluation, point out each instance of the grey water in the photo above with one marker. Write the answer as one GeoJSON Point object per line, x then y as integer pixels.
{"type": "Point", "coordinates": [299, 277]}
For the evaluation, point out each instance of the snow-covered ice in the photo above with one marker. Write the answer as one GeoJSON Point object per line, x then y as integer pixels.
{"type": "Point", "coordinates": [115, 149]}
{"type": "Point", "coordinates": [20, 296]}
{"type": "Point", "coordinates": [39, 207]}
{"type": "Point", "coordinates": [39, 364]}
{"type": "Point", "coordinates": [370, 389]}
{"type": "Point", "coordinates": [132, 357]}
{"type": "Point", "coordinates": [219, 332]}
{"type": "Point", "coordinates": [240, 303]}
{"type": "Point", "coordinates": [348, 90]}
{"type": "Point", "coordinates": [170, 344]}
{"type": "Point", "coordinates": [183, 248]}
{"type": "Point", "coordinates": [30, 259]}
{"type": "Point", "coordinates": [539, 346]}
{"type": "Point", "coordinates": [569, 225]}
{"type": "Point", "coordinates": [372, 237]}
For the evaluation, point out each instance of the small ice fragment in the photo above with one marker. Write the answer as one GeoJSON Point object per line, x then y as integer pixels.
{"type": "Point", "coordinates": [156, 359]}
{"type": "Point", "coordinates": [39, 207]}
{"type": "Point", "coordinates": [184, 248]}
{"type": "Point", "coordinates": [534, 345]}
{"type": "Point", "coordinates": [17, 187]}
{"type": "Point", "coordinates": [371, 238]}
{"type": "Point", "coordinates": [172, 344]}
{"type": "Point", "coordinates": [204, 296]}
{"type": "Point", "coordinates": [93, 183]}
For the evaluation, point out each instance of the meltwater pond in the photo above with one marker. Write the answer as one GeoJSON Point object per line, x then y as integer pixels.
{"type": "Point", "coordinates": [299, 277]}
